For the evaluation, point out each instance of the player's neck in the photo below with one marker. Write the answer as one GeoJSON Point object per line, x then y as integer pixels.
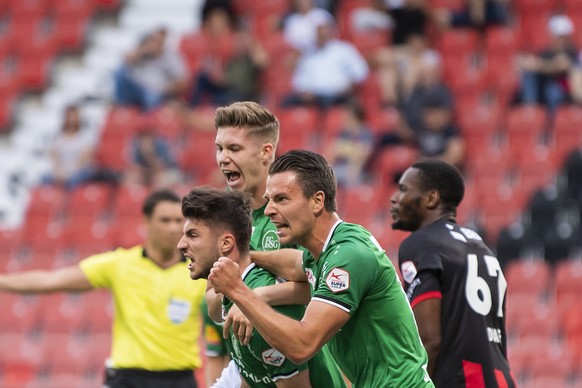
{"type": "Point", "coordinates": [449, 216]}
{"type": "Point", "coordinates": [163, 258]}
{"type": "Point", "coordinates": [320, 232]}
{"type": "Point", "coordinates": [243, 261]}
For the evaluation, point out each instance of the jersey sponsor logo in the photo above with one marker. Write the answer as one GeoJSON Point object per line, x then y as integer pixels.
{"type": "Point", "coordinates": [338, 280]}
{"type": "Point", "coordinates": [310, 277]}
{"type": "Point", "coordinates": [273, 357]}
{"type": "Point", "coordinates": [271, 241]}
{"type": "Point", "coordinates": [178, 310]}
{"type": "Point", "coordinates": [409, 271]}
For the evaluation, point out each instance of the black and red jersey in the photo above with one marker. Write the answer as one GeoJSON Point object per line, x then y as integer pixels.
{"type": "Point", "coordinates": [447, 261]}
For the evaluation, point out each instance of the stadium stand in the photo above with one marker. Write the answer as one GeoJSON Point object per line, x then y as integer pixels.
{"type": "Point", "coordinates": [523, 168]}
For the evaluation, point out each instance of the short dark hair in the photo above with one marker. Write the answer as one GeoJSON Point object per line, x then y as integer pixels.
{"type": "Point", "coordinates": [226, 210]}
{"type": "Point", "coordinates": [156, 197]}
{"type": "Point", "coordinates": [444, 178]}
{"type": "Point", "coordinates": [313, 172]}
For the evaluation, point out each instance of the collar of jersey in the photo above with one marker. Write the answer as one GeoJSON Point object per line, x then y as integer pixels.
{"type": "Point", "coordinates": [144, 254]}
{"type": "Point", "coordinates": [247, 270]}
{"type": "Point", "coordinates": [331, 234]}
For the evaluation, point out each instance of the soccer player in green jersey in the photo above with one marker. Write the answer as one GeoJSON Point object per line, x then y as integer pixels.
{"type": "Point", "coordinates": [357, 305]}
{"type": "Point", "coordinates": [218, 223]}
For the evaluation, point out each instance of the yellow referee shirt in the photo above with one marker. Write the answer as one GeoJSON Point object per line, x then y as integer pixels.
{"type": "Point", "coordinates": [157, 318]}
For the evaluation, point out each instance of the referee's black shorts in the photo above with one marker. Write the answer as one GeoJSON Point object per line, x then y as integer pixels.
{"type": "Point", "coordinates": [141, 378]}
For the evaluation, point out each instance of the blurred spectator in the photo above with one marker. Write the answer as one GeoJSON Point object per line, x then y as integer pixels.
{"type": "Point", "coordinates": [300, 27]}
{"type": "Point", "coordinates": [545, 76]}
{"type": "Point", "coordinates": [152, 162]}
{"type": "Point", "coordinates": [475, 14]}
{"type": "Point", "coordinates": [72, 154]}
{"type": "Point", "coordinates": [226, 77]}
{"type": "Point", "coordinates": [151, 74]}
{"type": "Point", "coordinates": [438, 137]}
{"type": "Point", "coordinates": [351, 147]}
{"type": "Point", "coordinates": [226, 5]}
{"type": "Point", "coordinates": [410, 17]}
{"type": "Point", "coordinates": [399, 68]}
{"type": "Point", "coordinates": [426, 119]}
{"type": "Point", "coordinates": [575, 81]}
{"type": "Point", "coordinates": [371, 17]}
{"type": "Point", "coordinates": [328, 74]}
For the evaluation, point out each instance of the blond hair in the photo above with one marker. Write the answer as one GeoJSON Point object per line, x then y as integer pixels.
{"type": "Point", "coordinates": [255, 118]}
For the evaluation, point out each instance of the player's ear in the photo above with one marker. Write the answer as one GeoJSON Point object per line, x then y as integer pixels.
{"type": "Point", "coordinates": [433, 199]}
{"type": "Point", "coordinates": [226, 243]}
{"type": "Point", "coordinates": [318, 201]}
{"type": "Point", "coordinates": [267, 151]}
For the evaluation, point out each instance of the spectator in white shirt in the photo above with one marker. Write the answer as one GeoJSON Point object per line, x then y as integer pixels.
{"type": "Point", "coordinates": [327, 74]}
{"type": "Point", "coordinates": [300, 27]}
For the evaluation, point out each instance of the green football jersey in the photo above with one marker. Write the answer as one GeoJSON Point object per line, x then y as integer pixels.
{"type": "Point", "coordinates": [260, 364]}
{"type": "Point", "coordinates": [264, 236]}
{"type": "Point", "coordinates": [379, 346]}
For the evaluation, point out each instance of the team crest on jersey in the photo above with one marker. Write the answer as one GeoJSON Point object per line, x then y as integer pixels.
{"type": "Point", "coordinates": [178, 310]}
{"type": "Point", "coordinates": [409, 271]}
{"type": "Point", "coordinates": [271, 241]}
{"type": "Point", "coordinates": [338, 280]}
{"type": "Point", "coordinates": [273, 357]}
{"type": "Point", "coordinates": [310, 277]}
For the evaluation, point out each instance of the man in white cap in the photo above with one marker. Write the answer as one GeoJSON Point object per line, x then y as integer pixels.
{"type": "Point", "coordinates": [545, 75]}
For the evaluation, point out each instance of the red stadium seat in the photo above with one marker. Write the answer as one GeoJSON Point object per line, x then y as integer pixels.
{"type": "Point", "coordinates": [458, 41]}
{"type": "Point", "coordinates": [122, 119]}
{"type": "Point", "coordinates": [334, 121]}
{"type": "Point", "coordinates": [62, 313]}
{"type": "Point", "coordinates": [527, 275]}
{"type": "Point", "coordinates": [20, 313]}
{"type": "Point", "coordinates": [381, 120]}
{"type": "Point", "coordinates": [300, 119]}
{"type": "Point", "coordinates": [565, 134]}
{"type": "Point", "coordinates": [90, 199]}
{"type": "Point", "coordinates": [392, 162]}
{"type": "Point", "coordinates": [199, 153]}
{"type": "Point", "coordinates": [369, 42]}
{"type": "Point", "coordinates": [530, 26]}
{"type": "Point", "coordinates": [501, 41]}
{"type": "Point", "coordinates": [568, 277]}
{"type": "Point", "coordinates": [128, 201]}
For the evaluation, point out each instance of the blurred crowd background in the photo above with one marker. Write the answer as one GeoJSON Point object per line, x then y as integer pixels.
{"type": "Point", "coordinates": [103, 100]}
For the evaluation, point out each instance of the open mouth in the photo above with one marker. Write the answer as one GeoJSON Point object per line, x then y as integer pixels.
{"type": "Point", "coordinates": [232, 177]}
{"type": "Point", "coordinates": [280, 228]}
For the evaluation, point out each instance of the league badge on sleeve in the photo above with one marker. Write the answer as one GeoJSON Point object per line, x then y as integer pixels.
{"type": "Point", "coordinates": [273, 357]}
{"type": "Point", "coordinates": [338, 280]}
{"type": "Point", "coordinates": [409, 271]}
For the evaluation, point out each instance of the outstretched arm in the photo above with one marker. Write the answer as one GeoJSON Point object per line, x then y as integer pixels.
{"type": "Point", "coordinates": [38, 282]}
{"type": "Point", "coordinates": [297, 340]}
{"type": "Point", "coordinates": [286, 263]}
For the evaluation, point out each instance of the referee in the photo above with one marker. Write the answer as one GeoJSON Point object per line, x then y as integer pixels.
{"type": "Point", "coordinates": [157, 318]}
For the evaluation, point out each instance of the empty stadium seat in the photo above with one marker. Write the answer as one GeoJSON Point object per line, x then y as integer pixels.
{"type": "Point", "coordinates": [528, 276]}
{"type": "Point", "coordinates": [568, 277]}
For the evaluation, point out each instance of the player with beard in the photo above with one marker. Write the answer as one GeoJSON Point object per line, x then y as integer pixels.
{"type": "Point", "coordinates": [247, 135]}
{"type": "Point", "coordinates": [358, 308]}
{"type": "Point", "coordinates": [219, 223]}
{"type": "Point", "coordinates": [452, 279]}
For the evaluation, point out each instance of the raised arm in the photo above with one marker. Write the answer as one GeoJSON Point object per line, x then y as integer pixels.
{"type": "Point", "coordinates": [297, 340]}
{"type": "Point", "coordinates": [286, 263]}
{"type": "Point", "coordinates": [39, 282]}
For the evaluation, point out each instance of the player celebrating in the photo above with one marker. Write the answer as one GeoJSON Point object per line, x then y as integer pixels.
{"type": "Point", "coordinates": [218, 223]}
{"type": "Point", "coordinates": [357, 305]}
{"type": "Point", "coordinates": [454, 283]}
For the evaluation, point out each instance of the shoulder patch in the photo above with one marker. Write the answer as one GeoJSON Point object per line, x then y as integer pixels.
{"type": "Point", "coordinates": [409, 271]}
{"type": "Point", "coordinates": [273, 357]}
{"type": "Point", "coordinates": [338, 280]}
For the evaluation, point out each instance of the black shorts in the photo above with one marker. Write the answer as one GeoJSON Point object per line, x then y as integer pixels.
{"type": "Point", "coordinates": [141, 378]}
